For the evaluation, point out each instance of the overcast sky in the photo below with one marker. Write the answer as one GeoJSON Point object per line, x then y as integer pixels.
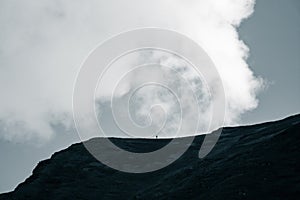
{"type": "Point", "coordinates": [43, 43]}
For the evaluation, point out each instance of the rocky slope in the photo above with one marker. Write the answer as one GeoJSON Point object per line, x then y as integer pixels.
{"type": "Point", "coordinates": [251, 162]}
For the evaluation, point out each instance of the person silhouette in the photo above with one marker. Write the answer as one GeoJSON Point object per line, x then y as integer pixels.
{"type": "Point", "coordinates": [156, 136]}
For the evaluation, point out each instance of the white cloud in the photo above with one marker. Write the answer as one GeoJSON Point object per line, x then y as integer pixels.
{"type": "Point", "coordinates": [43, 43]}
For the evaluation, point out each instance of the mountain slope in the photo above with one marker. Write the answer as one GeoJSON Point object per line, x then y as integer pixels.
{"type": "Point", "coordinates": [250, 162]}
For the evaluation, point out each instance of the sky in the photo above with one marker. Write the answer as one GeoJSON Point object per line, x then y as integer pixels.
{"type": "Point", "coordinates": [51, 39]}
{"type": "Point", "coordinates": [43, 44]}
{"type": "Point", "coordinates": [272, 34]}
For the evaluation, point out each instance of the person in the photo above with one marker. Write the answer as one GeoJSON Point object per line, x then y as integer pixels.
{"type": "Point", "coordinates": [156, 136]}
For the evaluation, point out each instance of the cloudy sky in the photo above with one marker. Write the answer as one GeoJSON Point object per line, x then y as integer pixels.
{"type": "Point", "coordinates": [255, 47]}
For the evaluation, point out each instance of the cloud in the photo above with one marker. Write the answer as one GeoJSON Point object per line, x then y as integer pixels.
{"type": "Point", "coordinates": [43, 43]}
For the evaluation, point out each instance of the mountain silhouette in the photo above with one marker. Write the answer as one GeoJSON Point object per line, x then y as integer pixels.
{"type": "Point", "coordinates": [249, 162]}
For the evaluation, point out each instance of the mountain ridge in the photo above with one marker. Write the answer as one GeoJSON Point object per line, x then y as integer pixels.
{"type": "Point", "coordinates": [253, 161]}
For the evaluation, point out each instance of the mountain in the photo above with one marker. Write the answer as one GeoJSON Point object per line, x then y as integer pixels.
{"type": "Point", "coordinates": [249, 162]}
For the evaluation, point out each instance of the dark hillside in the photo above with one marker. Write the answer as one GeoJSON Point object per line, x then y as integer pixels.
{"type": "Point", "coordinates": [250, 162]}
